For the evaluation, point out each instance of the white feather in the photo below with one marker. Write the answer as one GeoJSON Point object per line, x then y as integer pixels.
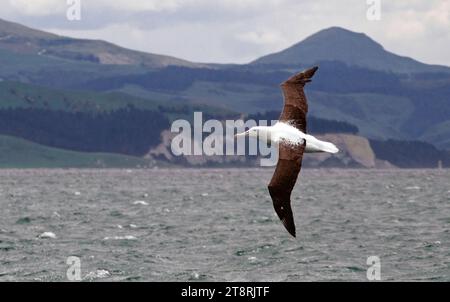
{"type": "Point", "coordinates": [287, 133]}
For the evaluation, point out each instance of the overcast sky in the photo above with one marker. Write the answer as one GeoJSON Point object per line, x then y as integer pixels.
{"type": "Point", "coordinates": [238, 31]}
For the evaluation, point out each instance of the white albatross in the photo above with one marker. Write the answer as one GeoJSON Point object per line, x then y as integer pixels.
{"type": "Point", "coordinates": [283, 132]}
{"type": "Point", "coordinates": [289, 134]}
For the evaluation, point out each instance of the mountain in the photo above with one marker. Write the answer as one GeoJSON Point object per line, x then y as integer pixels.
{"type": "Point", "coordinates": [61, 92]}
{"type": "Point", "coordinates": [21, 39]}
{"type": "Point", "coordinates": [351, 48]}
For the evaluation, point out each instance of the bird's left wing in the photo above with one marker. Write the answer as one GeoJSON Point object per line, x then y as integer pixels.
{"type": "Point", "coordinates": [295, 103]}
{"type": "Point", "coordinates": [283, 181]}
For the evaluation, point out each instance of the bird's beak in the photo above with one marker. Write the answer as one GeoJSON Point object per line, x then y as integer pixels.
{"type": "Point", "coordinates": [240, 134]}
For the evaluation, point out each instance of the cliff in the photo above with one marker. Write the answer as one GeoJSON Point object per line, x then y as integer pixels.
{"type": "Point", "coordinates": [355, 152]}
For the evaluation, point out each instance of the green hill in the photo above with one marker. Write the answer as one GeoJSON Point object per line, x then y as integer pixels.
{"type": "Point", "coordinates": [21, 39]}
{"type": "Point", "coordinates": [15, 94]}
{"type": "Point", "coordinates": [19, 153]}
{"type": "Point", "coordinates": [21, 95]}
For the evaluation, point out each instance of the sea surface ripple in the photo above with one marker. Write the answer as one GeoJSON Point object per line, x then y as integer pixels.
{"type": "Point", "coordinates": [219, 225]}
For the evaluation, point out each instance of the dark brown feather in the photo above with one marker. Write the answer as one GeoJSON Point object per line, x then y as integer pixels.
{"type": "Point", "coordinates": [283, 181]}
{"type": "Point", "coordinates": [295, 103]}
{"type": "Point", "coordinates": [290, 156]}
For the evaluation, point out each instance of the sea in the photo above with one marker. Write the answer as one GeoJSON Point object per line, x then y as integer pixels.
{"type": "Point", "coordinates": [220, 225]}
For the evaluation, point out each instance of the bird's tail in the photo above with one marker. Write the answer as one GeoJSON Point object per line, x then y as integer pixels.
{"type": "Point", "coordinates": [328, 147]}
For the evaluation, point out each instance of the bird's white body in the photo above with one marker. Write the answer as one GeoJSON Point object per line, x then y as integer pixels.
{"type": "Point", "coordinates": [282, 132]}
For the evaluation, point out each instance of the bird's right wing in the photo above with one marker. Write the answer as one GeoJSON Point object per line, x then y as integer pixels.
{"type": "Point", "coordinates": [283, 181]}
{"type": "Point", "coordinates": [295, 103]}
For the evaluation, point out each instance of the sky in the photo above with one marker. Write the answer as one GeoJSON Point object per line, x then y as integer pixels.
{"type": "Point", "coordinates": [239, 31]}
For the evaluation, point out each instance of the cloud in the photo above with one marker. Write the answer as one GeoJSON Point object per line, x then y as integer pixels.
{"type": "Point", "coordinates": [50, 7]}
{"type": "Point", "coordinates": [37, 7]}
{"type": "Point", "coordinates": [140, 5]}
{"type": "Point", "coordinates": [260, 37]}
{"type": "Point", "coordinates": [439, 14]}
{"type": "Point", "coordinates": [176, 5]}
{"type": "Point", "coordinates": [419, 29]}
{"type": "Point", "coordinates": [239, 31]}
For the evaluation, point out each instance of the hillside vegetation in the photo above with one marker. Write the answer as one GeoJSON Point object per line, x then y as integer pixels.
{"type": "Point", "coordinates": [91, 95]}
{"type": "Point", "coordinates": [19, 153]}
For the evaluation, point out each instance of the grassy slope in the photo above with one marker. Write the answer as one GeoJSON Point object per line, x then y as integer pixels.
{"type": "Point", "coordinates": [248, 98]}
{"type": "Point", "coordinates": [15, 94]}
{"type": "Point", "coordinates": [440, 133]}
{"type": "Point", "coordinates": [19, 153]}
{"type": "Point", "coordinates": [376, 115]}
{"type": "Point", "coordinates": [56, 72]}
{"type": "Point", "coordinates": [20, 95]}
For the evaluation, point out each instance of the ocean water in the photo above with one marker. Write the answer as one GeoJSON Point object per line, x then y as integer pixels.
{"type": "Point", "coordinates": [219, 225]}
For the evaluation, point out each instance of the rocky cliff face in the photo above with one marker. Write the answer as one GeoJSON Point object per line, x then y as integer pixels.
{"type": "Point", "coordinates": [163, 153]}
{"type": "Point", "coordinates": [355, 152]}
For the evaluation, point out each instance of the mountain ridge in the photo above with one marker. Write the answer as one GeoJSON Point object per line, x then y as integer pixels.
{"type": "Point", "coordinates": [349, 47]}
{"type": "Point", "coordinates": [352, 48]}
{"type": "Point", "coordinates": [23, 39]}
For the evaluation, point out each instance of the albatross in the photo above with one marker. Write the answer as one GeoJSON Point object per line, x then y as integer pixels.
{"type": "Point", "coordinates": [289, 135]}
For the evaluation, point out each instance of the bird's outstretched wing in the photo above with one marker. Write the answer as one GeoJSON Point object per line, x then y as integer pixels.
{"type": "Point", "coordinates": [295, 103]}
{"type": "Point", "coordinates": [290, 156]}
{"type": "Point", "coordinates": [283, 181]}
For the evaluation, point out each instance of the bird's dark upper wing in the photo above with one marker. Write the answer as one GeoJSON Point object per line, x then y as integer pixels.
{"type": "Point", "coordinates": [283, 181]}
{"type": "Point", "coordinates": [295, 103]}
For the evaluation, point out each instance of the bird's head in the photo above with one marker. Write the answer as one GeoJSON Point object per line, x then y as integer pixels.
{"type": "Point", "coordinates": [252, 132]}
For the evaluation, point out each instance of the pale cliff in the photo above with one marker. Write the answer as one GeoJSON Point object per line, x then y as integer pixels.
{"type": "Point", "coordinates": [355, 152]}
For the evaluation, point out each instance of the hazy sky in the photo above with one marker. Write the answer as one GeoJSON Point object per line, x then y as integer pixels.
{"type": "Point", "coordinates": [239, 31]}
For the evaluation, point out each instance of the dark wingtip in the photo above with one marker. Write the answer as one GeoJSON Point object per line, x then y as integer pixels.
{"type": "Point", "coordinates": [289, 225]}
{"type": "Point", "coordinates": [302, 77]}
{"type": "Point", "coordinates": [309, 73]}
{"type": "Point", "coordinates": [292, 232]}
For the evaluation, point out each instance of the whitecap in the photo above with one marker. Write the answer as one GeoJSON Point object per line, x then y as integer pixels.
{"type": "Point", "coordinates": [47, 235]}
{"type": "Point", "coordinates": [195, 275]}
{"type": "Point", "coordinates": [98, 274]}
{"type": "Point", "coordinates": [252, 259]}
{"type": "Point", "coordinates": [412, 188]}
{"type": "Point", "coordinates": [141, 202]}
{"type": "Point", "coordinates": [127, 237]}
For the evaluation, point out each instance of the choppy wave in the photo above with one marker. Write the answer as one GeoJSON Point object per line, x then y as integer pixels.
{"type": "Point", "coordinates": [219, 225]}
